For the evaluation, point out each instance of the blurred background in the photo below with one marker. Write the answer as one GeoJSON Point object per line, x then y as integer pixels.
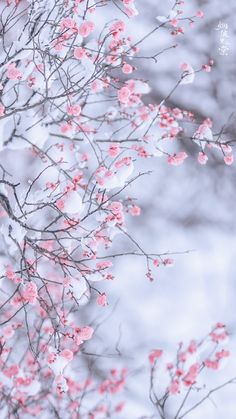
{"type": "Point", "coordinates": [190, 207]}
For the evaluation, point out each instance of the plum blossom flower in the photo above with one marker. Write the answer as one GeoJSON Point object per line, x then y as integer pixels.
{"type": "Point", "coordinates": [214, 365]}
{"type": "Point", "coordinates": [67, 354]}
{"type": "Point", "coordinates": [117, 27]}
{"type": "Point", "coordinates": [67, 23]}
{"type": "Point", "coordinates": [124, 94]}
{"type": "Point", "coordinates": [222, 354]}
{"type": "Point", "coordinates": [190, 378]}
{"type": "Point", "coordinates": [116, 207]}
{"type": "Point", "coordinates": [2, 110]}
{"type": "Point", "coordinates": [79, 53]}
{"type": "Point", "coordinates": [7, 332]}
{"type": "Point", "coordinates": [229, 159]}
{"type": "Point", "coordinates": [30, 292]}
{"type": "Point", "coordinates": [202, 158]}
{"type": "Point", "coordinates": [61, 384]}
{"type": "Point", "coordinates": [86, 28]}
{"type": "Point", "coordinates": [127, 68]}
{"type": "Point", "coordinates": [13, 73]}
{"type": "Point", "coordinates": [83, 334]}
{"type": "Point", "coordinates": [177, 159]}
{"type": "Point", "coordinates": [102, 299]}
{"type": "Point", "coordinates": [113, 150]}
{"type": "Point", "coordinates": [168, 262]}
{"type": "Point", "coordinates": [11, 371]}
{"type": "Point", "coordinates": [156, 263]}
{"type": "Point", "coordinates": [200, 13]}
{"type": "Point", "coordinates": [74, 110]}
{"type": "Point", "coordinates": [154, 355]}
{"type": "Point", "coordinates": [135, 211]}
{"type": "Point", "coordinates": [103, 265]}
{"type": "Point", "coordinates": [206, 68]}
{"type": "Point", "coordinates": [174, 387]}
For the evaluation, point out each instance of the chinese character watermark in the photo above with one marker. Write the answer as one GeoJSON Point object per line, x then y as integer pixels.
{"type": "Point", "coordinates": [224, 46]}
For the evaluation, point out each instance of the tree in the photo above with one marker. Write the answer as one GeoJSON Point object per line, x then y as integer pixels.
{"type": "Point", "coordinates": [74, 127]}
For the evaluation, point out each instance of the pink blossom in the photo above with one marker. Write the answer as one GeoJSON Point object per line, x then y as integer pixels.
{"type": "Point", "coordinates": [200, 14]}
{"type": "Point", "coordinates": [229, 159]}
{"type": "Point", "coordinates": [156, 263]}
{"type": "Point", "coordinates": [168, 262]}
{"type": "Point", "coordinates": [220, 325]}
{"type": "Point", "coordinates": [222, 354]}
{"type": "Point", "coordinates": [124, 94]}
{"type": "Point", "coordinates": [79, 53]}
{"type": "Point", "coordinates": [154, 355]}
{"type": "Point", "coordinates": [202, 158]}
{"type": "Point", "coordinates": [85, 333]}
{"type": "Point", "coordinates": [219, 337]}
{"type": "Point", "coordinates": [113, 150]}
{"type": "Point", "coordinates": [119, 407]}
{"type": "Point", "coordinates": [7, 332]}
{"type": "Point", "coordinates": [13, 73]}
{"type": "Point", "coordinates": [74, 110]}
{"type": "Point", "coordinates": [96, 86]}
{"type": "Point", "coordinates": [126, 161]}
{"type": "Point", "coordinates": [206, 68]}
{"type": "Point", "coordinates": [11, 371]}
{"type": "Point", "coordinates": [185, 67]}
{"type": "Point", "coordinates": [127, 68]}
{"type": "Point", "coordinates": [67, 354]}
{"type": "Point", "coordinates": [60, 204]}
{"type": "Point", "coordinates": [10, 274]}
{"type": "Point", "coordinates": [192, 347]}
{"type": "Point", "coordinates": [86, 28]}
{"type": "Point", "coordinates": [179, 372]}
{"type": "Point", "coordinates": [16, 2]}
{"type": "Point", "coordinates": [174, 387]}
{"type": "Point", "coordinates": [214, 365]}
{"type": "Point", "coordinates": [30, 292]}
{"type": "Point", "coordinates": [118, 26]}
{"type": "Point", "coordinates": [135, 211]}
{"type": "Point", "coordinates": [102, 299]}
{"type": "Point", "coordinates": [51, 358]}
{"type": "Point", "coordinates": [116, 207]}
{"type": "Point", "coordinates": [61, 383]}
{"type": "Point", "coordinates": [174, 22]}
{"type": "Point", "coordinates": [2, 110]}
{"type": "Point", "coordinates": [65, 128]}
{"type": "Point", "coordinates": [103, 265]}
{"type": "Point", "coordinates": [68, 23]}
{"type": "Point", "coordinates": [177, 159]}
{"type": "Point", "coordinates": [191, 377]}
{"type": "Point", "coordinates": [182, 356]}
